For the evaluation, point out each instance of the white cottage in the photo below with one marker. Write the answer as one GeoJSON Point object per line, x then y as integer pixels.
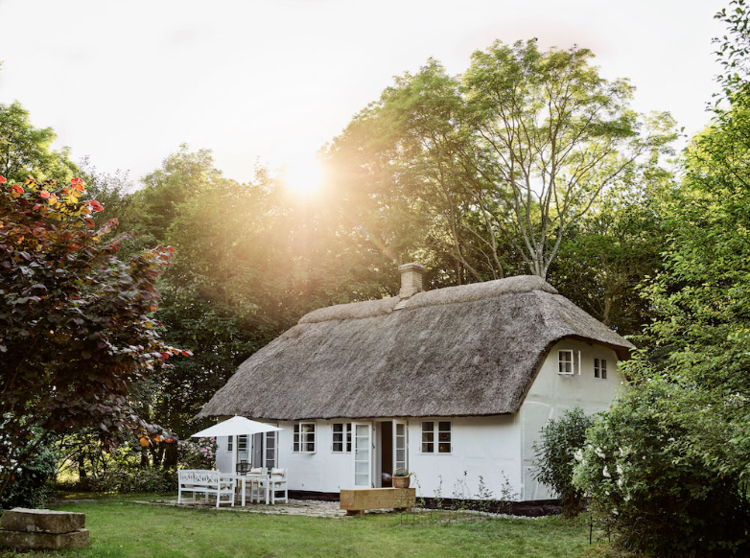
{"type": "Point", "coordinates": [453, 384]}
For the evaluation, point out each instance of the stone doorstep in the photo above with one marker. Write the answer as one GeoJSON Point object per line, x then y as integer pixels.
{"type": "Point", "coordinates": [45, 541]}
{"type": "Point", "coordinates": [45, 521]}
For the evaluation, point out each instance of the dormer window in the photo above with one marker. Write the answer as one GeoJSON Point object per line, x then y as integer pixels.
{"type": "Point", "coordinates": [565, 362]}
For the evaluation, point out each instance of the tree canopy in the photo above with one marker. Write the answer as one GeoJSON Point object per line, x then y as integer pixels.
{"type": "Point", "coordinates": [669, 466]}
{"type": "Point", "coordinates": [25, 150]}
{"type": "Point", "coordinates": [76, 326]}
{"type": "Point", "coordinates": [501, 161]}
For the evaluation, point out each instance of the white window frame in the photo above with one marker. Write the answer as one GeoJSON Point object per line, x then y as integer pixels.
{"type": "Point", "coordinates": [230, 443]}
{"type": "Point", "coordinates": [346, 437]}
{"type": "Point", "coordinates": [435, 432]}
{"type": "Point", "coordinates": [401, 444]}
{"type": "Point", "coordinates": [600, 368]}
{"type": "Point", "coordinates": [270, 451]}
{"type": "Point", "coordinates": [560, 362]}
{"type": "Point", "coordinates": [304, 441]}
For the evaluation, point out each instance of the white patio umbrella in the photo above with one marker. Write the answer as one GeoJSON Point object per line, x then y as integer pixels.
{"type": "Point", "coordinates": [235, 426]}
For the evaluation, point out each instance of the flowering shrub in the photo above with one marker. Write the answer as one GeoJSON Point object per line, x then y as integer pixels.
{"type": "Point", "coordinates": [652, 487]}
{"type": "Point", "coordinates": [554, 460]}
{"type": "Point", "coordinates": [121, 478]}
{"type": "Point", "coordinates": [196, 454]}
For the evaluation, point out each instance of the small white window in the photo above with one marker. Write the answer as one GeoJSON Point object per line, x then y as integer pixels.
{"type": "Point", "coordinates": [565, 362]}
{"type": "Point", "coordinates": [600, 368]}
{"type": "Point", "coordinates": [436, 433]}
{"type": "Point", "coordinates": [230, 442]}
{"type": "Point", "coordinates": [342, 437]}
{"type": "Point", "coordinates": [304, 437]}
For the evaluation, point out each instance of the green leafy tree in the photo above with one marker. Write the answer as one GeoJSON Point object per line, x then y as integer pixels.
{"type": "Point", "coordinates": [500, 162]}
{"type": "Point", "coordinates": [251, 260]}
{"type": "Point", "coordinates": [551, 135]}
{"type": "Point", "coordinates": [76, 332]}
{"type": "Point", "coordinates": [676, 450]}
{"type": "Point", "coordinates": [25, 149]}
{"type": "Point", "coordinates": [614, 249]}
{"type": "Point", "coordinates": [212, 291]}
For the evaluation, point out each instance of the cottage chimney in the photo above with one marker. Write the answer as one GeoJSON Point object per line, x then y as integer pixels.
{"type": "Point", "coordinates": [411, 280]}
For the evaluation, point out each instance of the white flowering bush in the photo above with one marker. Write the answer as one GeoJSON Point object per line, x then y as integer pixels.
{"type": "Point", "coordinates": [560, 440]}
{"type": "Point", "coordinates": [196, 453]}
{"type": "Point", "coordinates": [643, 477]}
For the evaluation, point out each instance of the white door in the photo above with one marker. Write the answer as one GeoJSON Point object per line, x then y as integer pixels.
{"type": "Point", "coordinates": [362, 455]}
{"type": "Point", "coordinates": [400, 445]}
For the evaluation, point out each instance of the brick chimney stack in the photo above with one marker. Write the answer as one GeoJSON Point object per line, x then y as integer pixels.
{"type": "Point", "coordinates": [411, 280]}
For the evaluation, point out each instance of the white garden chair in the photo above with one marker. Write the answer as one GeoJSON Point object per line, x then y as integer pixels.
{"type": "Point", "coordinates": [278, 483]}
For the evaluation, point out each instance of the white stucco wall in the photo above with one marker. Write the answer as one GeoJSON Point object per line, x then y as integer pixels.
{"type": "Point", "coordinates": [551, 394]}
{"type": "Point", "coordinates": [481, 446]}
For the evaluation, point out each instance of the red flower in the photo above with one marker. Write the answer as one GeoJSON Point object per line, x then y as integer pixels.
{"type": "Point", "coordinates": [17, 189]}
{"type": "Point", "coordinates": [44, 194]}
{"type": "Point", "coordinates": [3, 180]}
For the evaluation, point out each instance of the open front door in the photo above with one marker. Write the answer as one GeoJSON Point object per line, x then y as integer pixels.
{"type": "Point", "coordinates": [362, 455]}
{"type": "Point", "coordinates": [400, 445]}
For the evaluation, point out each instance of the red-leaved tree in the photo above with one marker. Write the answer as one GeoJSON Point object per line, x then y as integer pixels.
{"type": "Point", "coordinates": [76, 326]}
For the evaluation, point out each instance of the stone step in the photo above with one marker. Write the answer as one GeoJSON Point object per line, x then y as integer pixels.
{"type": "Point", "coordinates": [45, 521]}
{"type": "Point", "coordinates": [44, 541]}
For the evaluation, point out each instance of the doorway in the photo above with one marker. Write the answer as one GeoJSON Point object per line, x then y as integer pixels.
{"type": "Point", "coordinates": [259, 450]}
{"type": "Point", "coordinates": [386, 453]}
{"type": "Point", "coordinates": [392, 450]}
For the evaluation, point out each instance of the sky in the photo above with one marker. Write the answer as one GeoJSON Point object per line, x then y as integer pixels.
{"type": "Point", "coordinates": [272, 81]}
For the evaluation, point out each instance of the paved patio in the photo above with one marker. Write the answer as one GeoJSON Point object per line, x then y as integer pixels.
{"type": "Point", "coordinates": [309, 508]}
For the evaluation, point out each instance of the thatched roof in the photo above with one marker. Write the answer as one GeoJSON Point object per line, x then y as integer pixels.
{"type": "Point", "coordinates": [458, 351]}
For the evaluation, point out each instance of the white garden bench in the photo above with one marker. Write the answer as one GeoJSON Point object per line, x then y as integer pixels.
{"type": "Point", "coordinates": [208, 483]}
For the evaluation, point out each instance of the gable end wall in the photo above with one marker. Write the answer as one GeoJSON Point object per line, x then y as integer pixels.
{"type": "Point", "coordinates": [551, 394]}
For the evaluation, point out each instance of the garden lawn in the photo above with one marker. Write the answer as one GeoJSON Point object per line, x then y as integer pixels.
{"type": "Point", "coordinates": [121, 527]}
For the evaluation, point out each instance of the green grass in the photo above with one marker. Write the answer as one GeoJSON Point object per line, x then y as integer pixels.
{"type": "Point", "coordinates": [121, 527]}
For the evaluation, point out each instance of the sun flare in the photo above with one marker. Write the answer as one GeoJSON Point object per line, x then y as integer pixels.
{"type": "Point", "coordinates": [303, 176]}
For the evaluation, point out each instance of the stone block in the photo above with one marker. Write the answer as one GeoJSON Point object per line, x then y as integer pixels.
{"type": "Point", "coordinates": [44, 541]}
{"type": "Point", "coordinates": [56, 522]}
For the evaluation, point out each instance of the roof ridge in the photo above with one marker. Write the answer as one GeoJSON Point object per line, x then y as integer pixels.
{"type": "Point", "coordinates": [446, 295]}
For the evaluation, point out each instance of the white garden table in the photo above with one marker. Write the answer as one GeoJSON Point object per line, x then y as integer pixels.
{"type": "Point", "coordinates": [242, 480]}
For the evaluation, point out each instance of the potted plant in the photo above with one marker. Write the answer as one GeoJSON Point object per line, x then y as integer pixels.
{"type": "Point", "coordinates": [401, 478]}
